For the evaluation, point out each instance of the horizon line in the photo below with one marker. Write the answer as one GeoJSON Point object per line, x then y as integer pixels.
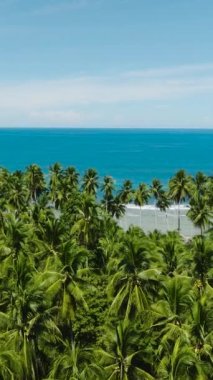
{"type": "Point", "coordinates": [106, 128]}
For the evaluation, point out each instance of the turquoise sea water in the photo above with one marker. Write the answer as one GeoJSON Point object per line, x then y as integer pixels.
{"type": "Point", "coordinates": [135, 154]}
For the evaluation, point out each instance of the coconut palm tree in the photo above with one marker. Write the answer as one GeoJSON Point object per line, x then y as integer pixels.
{"type": "Point", "coordinates": [200, 213]}
{"type": "Point", "coordinates": [178, 361]}
{"type": "Point", "coordinates": [62, 282]}
{"type": "Point", "coordinates": [35, 181]}
{"type": "Point", "coordinates": [201, 327]}
{"type": "Point", "coordinates": [172, 249]}
{"type": "Point", "coordinates": [108, 188]}
{"type": "Point", "coordinates": [18, 194]}
{"type": "Point", "coordinates": [87, 220]}
{"type": "Point", "coordinates": [4, 182]}
{"type": "Point", "coordinates": [202, 251]}
{"type": "Point", "coordinates": [163, 201]}
{"type": "Point", "coordinates": [156, 190]}
{"type": "Point", "coordinates": [74, 362]}
{"type": "Point", "coordinates": [126, 192]}
{"type": "Point", "coordinates": [141, 197]}
{"type": "Point", "coordinates": [209, 192]}
{"type": "Point", "coordinates": [70, 180]}
{"type": "Point", "coordinates": [117, 208]}
{"type": "Point", "coordinates": [55, 184]}
{"type": "Point", "coordinates": [175, 299]}
{"type": "Point", "coordinates": [10, 361]}
{"type": "Point", "coordinates": [90, 181]}
{"type": "Point", "coordinates": [29, 316]}
{"type": "Point", "coordinates": [121, 360]}
{"type": "Point", "coordinates": [130, 277]}
{"type": "Point", "coordinates": [179, 189]}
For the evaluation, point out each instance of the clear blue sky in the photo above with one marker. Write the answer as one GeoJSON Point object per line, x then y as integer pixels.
{"type": "Point", "coordinates": [106, 63]}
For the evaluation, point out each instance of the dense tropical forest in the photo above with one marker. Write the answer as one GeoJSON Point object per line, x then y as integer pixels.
{"type": "Point", "coordinates": [82, 299]}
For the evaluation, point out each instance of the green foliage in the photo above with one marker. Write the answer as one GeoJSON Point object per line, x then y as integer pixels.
{"type": "Point", "coordinates": [81, 299]}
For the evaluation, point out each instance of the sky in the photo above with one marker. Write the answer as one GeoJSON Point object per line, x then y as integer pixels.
{"type": "Point", "coordinates": [106, 63]}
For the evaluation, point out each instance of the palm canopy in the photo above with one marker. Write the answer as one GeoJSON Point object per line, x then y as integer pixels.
{"type": "Point", "coordinates": [90, 181]}
{"type": "Point", "coordinates": [179, 361]}
{"type": "Point", "coordinates": [156, 188]}
{"type": "Point", "coordinates": [126, 192]}
{"type": "Point", "coordinates": [131, 277]}
{"type": "Point", "coordinates": [108, 188]}
{"type": "Point", "coordinates": [83, 299]}
{"type": "Point", "coordinates": [200, 213]}
{"type": "Point", "coordinates": [121, 360]}
{"type": "Point", "coordinates": [35, 181]}
{"type": "Point", "coordinates": [142, 194]}
{"type": "Point", "coordinates": [179, 189]}
{"type": "Point", "coordinates": [180, 186]}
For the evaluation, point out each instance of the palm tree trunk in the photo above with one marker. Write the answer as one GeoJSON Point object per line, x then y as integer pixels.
{"type": "Point", "coordinates": [155, 218]}
{"type": "Point", "coordinates": [179, 216]}
{"type": "Point", "coordinates": [121, 372]}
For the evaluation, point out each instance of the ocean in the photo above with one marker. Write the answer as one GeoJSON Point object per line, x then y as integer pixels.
{"type": "Point", "coordinates": [136, 154]}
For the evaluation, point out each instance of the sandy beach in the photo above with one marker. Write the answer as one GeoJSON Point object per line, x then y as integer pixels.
{"type": "Point", "coordinates": [149, 218]}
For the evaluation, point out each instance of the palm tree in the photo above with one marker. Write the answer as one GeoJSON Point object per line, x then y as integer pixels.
{"type": "Point", "coordinates": [117, 208]}
{"type": "Point", "coordinates": [87, 220]}
{"type": "Point", "coordinates": [178, 361]}
{"type": "Point", "coordinates": [29, 316]}
{"type": "Point", "coordinates": [175, 299]}
{"type": "Point", "coordinates": [41, 211]}
{"type": "Point", "coordinates": [163, 201]}
{"type": "Point", "coordinates": [11, 366]}
{"type": "Point", "coordinates": [63, 283]}
{"type": "Point", "coordinates": [56, 176]}
{"type": "Point", "coordinates": [74, 363]}
{"type": "Point", "coordinates": [90, 181]}
{"type": "Point", "coordinates": [35, 181]}
{"type": "Point", "coordinates": [199, 184]}
{"type": "Point", "coordinates": [156, 190]}
{"type": "Point", "coordinates": [122, 360]}
{"type": "Point", "coordinates": [130, 277]}
{"type": "Point", "coordinates": [17, 196]}
{"type": "Point", "coordinates": [179, 189]}
{"type": "Point", "coordinates": [141, 197]}
{"type": "Point", "coordinates": [200, 213]}
{"type": "Point", "coordinates": [126, 192]}
{"type": "Point", "coordinates": [17, 234]}
{"type": "Point", "coordinates": [171, 248]}
{"type": "Point", "coordinates": [202, 252]}
{"type": "Point", "coordinates": [108, 188]}
{"type": "Point", "coordinates": [202, 326]}
{"type": "Point", "coordinates": [209, 192]}
{"type": "Point", "coordinates": [4, 182]}
{"type": "Point", "coordinates": [70, 180]}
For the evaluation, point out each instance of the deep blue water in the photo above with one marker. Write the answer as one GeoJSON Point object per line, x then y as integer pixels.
{"type": "Point", "coordinates": [138, 155]}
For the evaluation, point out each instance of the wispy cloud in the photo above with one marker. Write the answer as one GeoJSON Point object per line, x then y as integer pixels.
{"type": "Point", "coordinates": [98, 90]}
{"type": "Point", "coordinates": [181, 70]}
{"type": "Point", "coordinates": [69, 101]}
{"type": "Point", "coordinates": [54, 117]}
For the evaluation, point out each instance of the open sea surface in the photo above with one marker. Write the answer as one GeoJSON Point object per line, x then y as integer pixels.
{"type": "Point", "coordinates": [136, 154]}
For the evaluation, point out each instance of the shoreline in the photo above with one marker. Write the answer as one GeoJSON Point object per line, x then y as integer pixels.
{"type": "Point", "coordinates": [150, 218]}
{"type": "Point", "coordinates": [130, 206]}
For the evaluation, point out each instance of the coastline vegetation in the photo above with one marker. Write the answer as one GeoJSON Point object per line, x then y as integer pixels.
{"type": "Point", "coordinates": [82, 299]}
